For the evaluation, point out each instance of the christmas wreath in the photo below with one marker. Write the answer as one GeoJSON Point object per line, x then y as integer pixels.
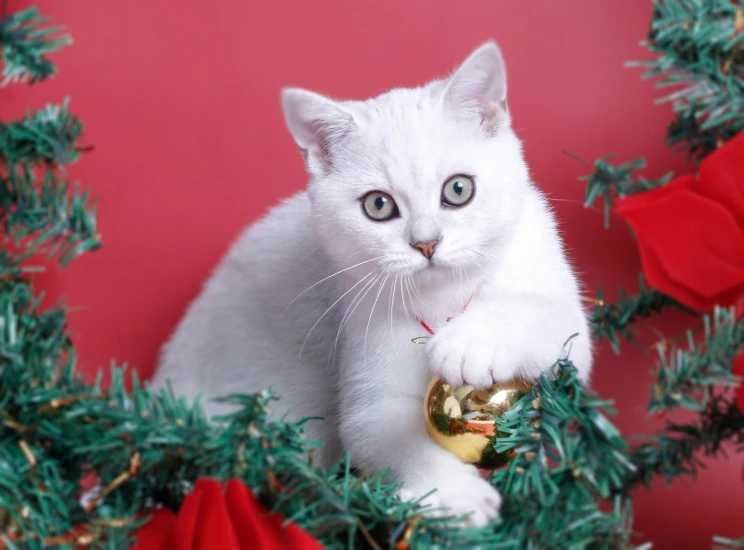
{"type": "Point", "coordinates": [157, 474]}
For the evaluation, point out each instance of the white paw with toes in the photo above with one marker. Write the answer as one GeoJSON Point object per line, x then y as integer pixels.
{"type": "Point", "coordinates": [471, 354]}
{"type": "Point", "coordinates": [462, 494]}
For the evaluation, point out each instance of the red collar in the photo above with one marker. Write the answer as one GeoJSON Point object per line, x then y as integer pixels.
{"type": "Point", "coordinates": [428, 329]}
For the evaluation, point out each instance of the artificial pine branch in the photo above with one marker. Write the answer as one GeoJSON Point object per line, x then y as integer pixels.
{"type": "Point", "coordinates": [722, 543]}
{"type": "Point", "coordinates": [44, 216]}
{"type": "Point", "coordinates": [569, 456]}
{"type": "Point", "coordinates": [700, 47]}
{"type": "Point", "coordinates": [688, 131]}
{"type": "Point", "coordinates": [609, 181]}
{"type": "Point", "coordinates": [48, 136]}
{"type": "Point", "coordinates": [676, 451]}
{"type": "Point", "coordinates": [684, 377]}
{"type": "Point", "coordinates": [615, 320]}
{"type": "Point", "coordinates": [79, 429]}
{"type": "Point", "coordinates": [690, 378]}
{"type": "Point", "coordinates": [25, 46]}
{"type": "Point", "coordinates": [570, 459]}
{"type": "Point", "coordinates": [48, 217]}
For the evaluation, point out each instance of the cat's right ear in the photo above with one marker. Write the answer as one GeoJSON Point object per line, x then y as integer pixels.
{"type": "Point", "coordinates": [477, 89]}
{"type": "Point", "coordinates": [318, 125]}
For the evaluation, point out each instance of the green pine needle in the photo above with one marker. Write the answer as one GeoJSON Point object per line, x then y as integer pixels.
{"type": "Point", "coordinates": [610, 181]}
{"type": "Point", "coordinates": [26, 44]}
{"type": "Point", "coordinates": [570, 462]}
{"type": "Point", "coordinates": [684, 377]}
{"type": "Point", "coordinates": [48, 136]}
{"type": "Point", "coordinates": [44, 216]}
{"type": "Point", "coordinates": [700, 51]}
{"type": "Point", "coordinates": [615, 320]}
{"type": "Point", "coordinates": [722, 543]}
{"type": "Point", "coordinates": [677, 450]}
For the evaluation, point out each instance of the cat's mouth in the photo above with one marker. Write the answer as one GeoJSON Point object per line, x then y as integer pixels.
{"type": "Point", "coordinates": [435, 266]}
{"type": "Point", "coordinates": [430, 267]}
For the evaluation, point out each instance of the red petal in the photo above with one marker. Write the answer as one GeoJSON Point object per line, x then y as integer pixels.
{"type": "Point", "coordinates": [159, 533]}
{"type": "Point", "coordinates": [203, 522]}
{"type": "Point", "coordinates": [642, 200]}
{"type": "Point", "coordinates": [257, 529]}
{"type": "Point", "coordinates": [722, 177]}
{"type": "Point", "coordinates": [659, 279]}
{"type": "Point", "coordinates": [739, 310]}
{"type": "Point", "coordinates": [695, 239]}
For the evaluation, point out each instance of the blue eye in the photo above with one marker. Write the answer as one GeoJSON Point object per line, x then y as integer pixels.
{"type": "Point", "coordinates": [458, 190]}
{"type": "Point", "coordinates": [379, 206]}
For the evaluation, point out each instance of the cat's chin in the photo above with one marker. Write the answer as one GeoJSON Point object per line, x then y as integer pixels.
{"type": "Point", "coordinates": [434, 272]}
{"type": "Point", "coordinates": [438, 276]}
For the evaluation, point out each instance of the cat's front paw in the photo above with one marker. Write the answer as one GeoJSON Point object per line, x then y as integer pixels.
{"type": "Point", "coordinates": [462, 494]}
{"type": "Point", "coordinates": [464, 353]}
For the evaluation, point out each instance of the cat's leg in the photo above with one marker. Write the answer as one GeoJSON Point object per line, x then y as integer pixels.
{"type": "Point", "coordinates": [382, 424]}
{"type": "Point", "coordinates": [388, 432]}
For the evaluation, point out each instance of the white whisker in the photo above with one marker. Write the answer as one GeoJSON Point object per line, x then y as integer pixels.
{"type": "Point", "coordinates": [392, 307]}
{"type": "Point", "coordinates": [326, 278]}
{"type": "Point", "coordinates": [484, 254]}
{"type": "Point", "coordinates": [331, 307]}
{"type": "Point", "coordinates": [347, 316]}
{"type": "Point", "coordinates": [366, 332]}
{"type": "Point", "coordinates": [403, 298]}
{"type": "Point", "coordinates": [410, 297]}
{"type": "Point", "coordinates": [416, 292]}
{"type": "Point", "coordinates": [476, 263]}
{"type": "Point", "coordinates": [475, 252]}
{"type": "Point", "coordinates": [467, 276]}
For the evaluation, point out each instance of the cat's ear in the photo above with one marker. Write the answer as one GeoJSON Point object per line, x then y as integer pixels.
{"type": "Point", "coordinates": [478, 88]}
{"type": "Point", "coordinates": [318, 125]}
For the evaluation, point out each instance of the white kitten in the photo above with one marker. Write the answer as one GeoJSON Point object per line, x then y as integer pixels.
{"type": "Point", "coordinates": [319, 300]}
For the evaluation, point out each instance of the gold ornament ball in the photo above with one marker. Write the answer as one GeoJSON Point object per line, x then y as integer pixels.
{"type": "Point", "coordinates": [463, 420]}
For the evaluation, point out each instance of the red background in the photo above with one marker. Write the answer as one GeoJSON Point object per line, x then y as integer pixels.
{"type": "Point", "coordinates": [180, 100]}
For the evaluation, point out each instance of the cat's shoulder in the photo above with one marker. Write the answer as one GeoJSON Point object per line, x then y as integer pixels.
{"type": "Point", "coordinates": [285, 231]}
{"type": "Point", "coordinates": [288, 218]}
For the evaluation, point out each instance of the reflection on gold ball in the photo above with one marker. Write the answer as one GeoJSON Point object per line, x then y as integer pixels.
{"type": "Point", "coordinates": [463, 420]}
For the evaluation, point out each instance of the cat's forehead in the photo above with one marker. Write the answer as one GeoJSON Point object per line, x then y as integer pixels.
{"type": "Point", "coordinates": [399, 110]}
{"type": "Point", "coordinates": [407, 135]}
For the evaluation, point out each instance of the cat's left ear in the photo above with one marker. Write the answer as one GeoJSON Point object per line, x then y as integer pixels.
{"type": "Point", "coordinates": [318, 125]}
{"type": "Point", "coordinates": [478, 88]}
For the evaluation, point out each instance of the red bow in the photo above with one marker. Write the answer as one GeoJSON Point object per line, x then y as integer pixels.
{"type": "Point", "coordinates": [211, 518]}
{"type": "Point", "coordinates": [691, 231]}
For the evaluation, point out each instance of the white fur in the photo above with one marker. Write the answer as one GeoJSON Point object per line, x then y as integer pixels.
{"type": "Point", "coordinates": [318, 302]}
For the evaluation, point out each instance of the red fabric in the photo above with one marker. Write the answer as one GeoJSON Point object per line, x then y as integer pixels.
{"type": "Point", "coordinates": [691, 232]}
{"type": "Point", "coordinates": [211, 518]}
{"type": "Point", "coordinates": [159, 532]}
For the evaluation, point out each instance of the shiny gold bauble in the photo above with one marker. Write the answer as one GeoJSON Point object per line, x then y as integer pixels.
{"type": "Point", "coordinates": [463, 420]}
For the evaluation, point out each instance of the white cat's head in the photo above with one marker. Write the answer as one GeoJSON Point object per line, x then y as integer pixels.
{"type": "Point", "coordinates": [423, 182]}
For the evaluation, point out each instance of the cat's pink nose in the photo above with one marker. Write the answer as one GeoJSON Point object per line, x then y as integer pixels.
{"type": "Point", "coordinates": [427, 249]}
